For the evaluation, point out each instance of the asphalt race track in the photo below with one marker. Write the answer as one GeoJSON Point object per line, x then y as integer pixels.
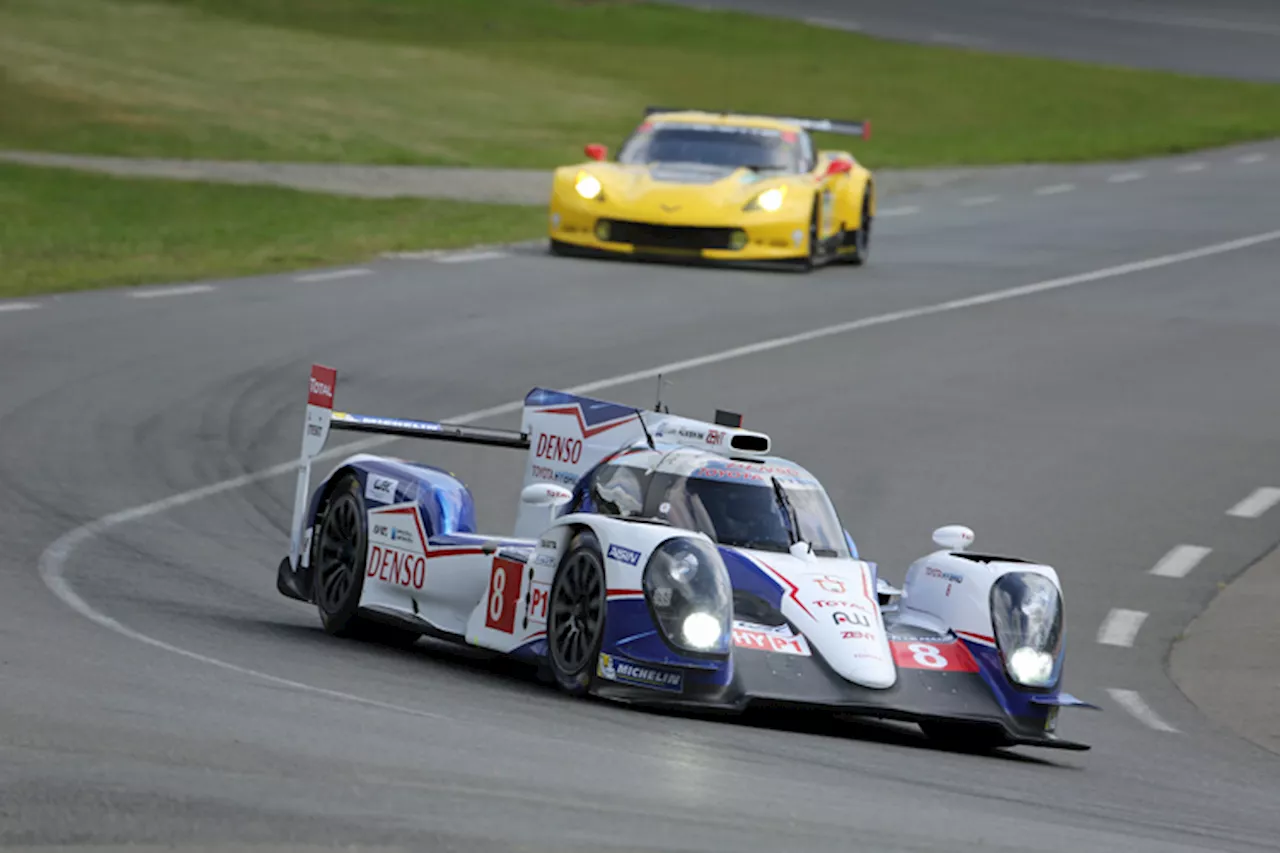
{"type": "Point", "coordinates": [1095, 420]}
{"type": "Point", "coordinates": [1225, 38]}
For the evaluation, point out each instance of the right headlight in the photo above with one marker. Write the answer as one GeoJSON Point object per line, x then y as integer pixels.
{"type": "Point", "coordinates": [1026, 612]}
{"type": "Point", "coordinates": [689, 594]}
{"type": "Point", "coordinates": [770, 200]}
{"type": "Point", "coordinates": [588, 185]}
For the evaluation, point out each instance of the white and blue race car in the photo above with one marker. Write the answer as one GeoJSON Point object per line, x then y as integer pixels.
{"type": "Point", "coordinates": [660, 559]}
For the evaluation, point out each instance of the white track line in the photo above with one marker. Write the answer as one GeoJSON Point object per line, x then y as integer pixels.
{"type": "Point", "coordinates": [1120, 627]}
{"type": "Point", "coordinates": [53, 560]}
{"type": "Point", "coordinates": [1134, 704]}
{"type": "Point", "coordinates": [975, 201]}
{"type": "Point", "coordinates": [1055, 189]}
{"type": "Point", "coordinates": [1179, 562]}
{"type": "Point", "coordinates": [897, 211]}
{"type": "Point", "coordinates": [1189, 167]}
{"type": "Point", "coordinates": [18, 306]}
{"type": "Point", "coordinates": [1125, 177]}
{"type": "Point", "coordinates": [833, 24]}
{"type": "Point", "coordinates": [333, 275]}
{"type": "Point", "coordinates": [1257, 503]}
{"type": "Point", "coordinates": [468, 257]}
{"type": "Point", "coordinates": [1246, 159]}
{"type": "Point", "coordinates": [181, 290]}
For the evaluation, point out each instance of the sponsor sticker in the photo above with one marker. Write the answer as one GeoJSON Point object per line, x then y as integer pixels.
{"type": "Point", "coordinates": [537, 599]}
{"type": "Point", "coordinates": [396, 550]}
{"type": "Point", "coordinates": [559, 448]}
{"type": "Point", "coordinates": [382, 489]}
{"type": "Point", "coordinates": [320, 388]}
{"type": "Point", "coordinates": [618, 669]}
{"type": "Point", "coordinates": [949, 577]}
{"type": "Point", "coordinates": [769, 639]}
{"type": "Point", "coordinates": [624, 555]}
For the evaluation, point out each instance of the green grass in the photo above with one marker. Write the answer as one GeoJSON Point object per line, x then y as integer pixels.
{"type": "Point", "coordinates": [527, 82]}
{"type": "Point", "coordinates": [63, 230]}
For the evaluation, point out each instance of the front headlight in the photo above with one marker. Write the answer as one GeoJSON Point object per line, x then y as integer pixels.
{"type": "Point", "coordinates": [769, 200]}
{"type": "Point", "coordinates": [1026, 612]}
{"type": "Point", "coordinates": [587, 185]}
{"type": "Point", "coordinates": [689, 594]}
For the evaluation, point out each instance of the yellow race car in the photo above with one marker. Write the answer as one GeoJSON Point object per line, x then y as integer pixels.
{"type": "Point", "coordinates": [720, 187]}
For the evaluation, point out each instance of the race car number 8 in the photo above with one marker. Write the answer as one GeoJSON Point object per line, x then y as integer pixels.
{"type": "Point", "coordinates": [927, 655]}
{"type": "Point", "coordinates": [503, 595]}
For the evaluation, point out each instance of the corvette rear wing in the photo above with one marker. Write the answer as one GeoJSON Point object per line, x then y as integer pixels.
{"type": "Point", "coordinates": [844, 127]}
{"type": "Point", "coordinates": [321, 417]}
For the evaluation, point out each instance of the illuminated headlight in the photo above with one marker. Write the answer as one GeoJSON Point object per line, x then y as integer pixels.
{"type": "Point", "coordinates": [701, 631]}
{"type": "Point", "coordinates": [1026, 612]}
{"type": "Point", "coordinates": [587, 185]}
{"type": "Point", "coordinates": [771, 200]}
{"type": "Point", "coordinates": [688, 591]}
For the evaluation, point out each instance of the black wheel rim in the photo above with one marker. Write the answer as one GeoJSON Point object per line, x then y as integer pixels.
{"type": "Point", "coordinates": [577, 612]}
{"type": "Point", "coordinates": [341, 543]}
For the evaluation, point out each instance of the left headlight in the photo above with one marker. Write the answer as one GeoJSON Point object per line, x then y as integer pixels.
{"type": "Point", "coordinates": [1026, 612]}
{"type": "Point", "coordinates": [588, 185]}
{"type": "Point", "coordinates": [688, 591]}
{"type": "Point", "coordinates": [770, 200]}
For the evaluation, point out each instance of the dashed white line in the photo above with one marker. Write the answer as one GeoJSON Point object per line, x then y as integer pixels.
{"type": "Point", "coordinates": [1179, 562]}
{"type": "Point", "coordinates": [468, 257]}
{"type": "Point", "coordinates": [897, 211]}
{"type": "Point", "coordinates": [1134, 704]}
{"type": "Point", "coordinates": [1251, 158]}
{"type": "Point", "coordinates": [18, 306]}
{"type": "Point", "coordinates": [975, 201]}
{"type": "Point", "coordinates": [181, 290]}
{"type": "Point", "coordinates": [1120, 627]}
{"type": "Point", "coordinates": [1054, 189]}
{"type": "Point", "coordinates": [1190, 167]}
{"type": "Point", "coordinates": [1257, 503]}
{"type": "Point", "coordinates": [333, 275]}
{"type": "Point", "coordinates": [1125, 177]}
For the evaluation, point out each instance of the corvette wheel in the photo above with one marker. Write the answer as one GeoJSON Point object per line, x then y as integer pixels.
{"type": "Point", "coordinates": [575, 618]}
{"type": "Point", "coordinates": [862, 237]}
{"type": "Point", "coordinates": [339, 561]}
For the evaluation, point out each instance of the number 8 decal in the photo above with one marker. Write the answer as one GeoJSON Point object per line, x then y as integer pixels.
{"type": "Point", "coordinates": [503, 597]}
{"type": "Point", "coordinates": [499, 587]}
{"type": "Point", "coordinates": [927, 655]}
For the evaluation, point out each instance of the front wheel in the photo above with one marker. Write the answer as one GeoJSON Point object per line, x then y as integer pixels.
{"type": "Point", "coordinates": [575, 617]}
{"type": "Point", "coordinates": [862, 237]}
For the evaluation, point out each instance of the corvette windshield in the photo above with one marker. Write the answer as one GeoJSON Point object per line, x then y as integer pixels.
{"type": "Point", "coordinates": [747, 514]}
{"type": "Point", "coordinates": [712, 145]}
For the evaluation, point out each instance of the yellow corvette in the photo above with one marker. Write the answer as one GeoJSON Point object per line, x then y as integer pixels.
{"type": "Point", "coordinates": [721, 187]}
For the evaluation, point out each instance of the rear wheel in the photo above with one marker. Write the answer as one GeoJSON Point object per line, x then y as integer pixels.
{"type": "Point", "coordinates": [339, 561]}
{"type": "Point", "coordinates": [575, 617]}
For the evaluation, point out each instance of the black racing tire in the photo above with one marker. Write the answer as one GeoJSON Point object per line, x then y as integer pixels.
{"type": "Point", "coordinates": [338, 563]}
{"type": "Point", "coordinates": [862, 237]}
{"type": "Point", "coordinates": [964, 737]}
{"type": "Point", "coordinates": [576, 615]}
{"type": "Point", "coordinates": [812, 260]}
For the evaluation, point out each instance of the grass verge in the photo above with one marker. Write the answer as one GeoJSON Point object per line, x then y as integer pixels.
{"type": "Point", "coordinates": [64, 230]}
{"type": "Point", "coordinates": [527, 82]}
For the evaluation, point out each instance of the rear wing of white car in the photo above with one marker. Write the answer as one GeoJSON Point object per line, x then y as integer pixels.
{"type": "Point", "coordinates": [321, 417]}
{"type": "Point", "coordinates": [564, 434]}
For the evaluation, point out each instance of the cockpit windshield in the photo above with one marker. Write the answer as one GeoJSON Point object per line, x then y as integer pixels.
{"type": "Point", "coordinates": [714, 145]}
{"type": "Point", "coordinates": [748, 514]}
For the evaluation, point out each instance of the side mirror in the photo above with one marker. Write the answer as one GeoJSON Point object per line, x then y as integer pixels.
{"type": "Point", "coordinates": [596, 151]}
{"type": "Point", "coordinates": [801, 549]}
{"type": "Point", "coordinates": [839, 167]}
{"type": "Point", "coordinates": [545, 494]}
{"type": "Point", "coordinates": [953, 537]}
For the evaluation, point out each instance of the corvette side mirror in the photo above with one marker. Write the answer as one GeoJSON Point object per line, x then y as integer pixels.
{"type": "Point", "coordinates": [596, 151]}
{"type": "Point", "coordinates": [953, 537]}
{"type": "Point", "coordinates": [839, 167]}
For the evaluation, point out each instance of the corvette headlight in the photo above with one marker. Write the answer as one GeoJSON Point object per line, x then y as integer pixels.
{"type": "Point", "coordinates": [688, 592]}
{"type": "Point", "coordinates": [769, 200]}
{"type": "Point", "coordinates": [587, 185]}
{"type": "Point", "coordinates": [1026, 612]}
